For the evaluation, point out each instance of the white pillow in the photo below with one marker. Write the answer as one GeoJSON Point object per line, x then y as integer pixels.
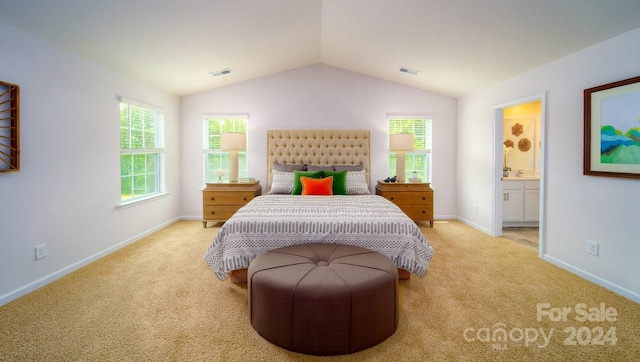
{"type": "Point", "coordinates": [357, 183]}
{"type": "Point", "coordinates": [281, 182]}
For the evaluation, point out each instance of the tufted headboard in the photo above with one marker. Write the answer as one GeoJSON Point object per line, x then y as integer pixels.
{"type": "Point", "coordinates": [318, 147]}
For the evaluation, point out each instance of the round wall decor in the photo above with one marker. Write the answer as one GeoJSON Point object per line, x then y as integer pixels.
{"type": "Point", "coordinates": [524, 145]}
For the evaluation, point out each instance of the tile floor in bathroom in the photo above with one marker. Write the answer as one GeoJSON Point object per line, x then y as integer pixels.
{"type": "Point", "coordinates": [523, 235]}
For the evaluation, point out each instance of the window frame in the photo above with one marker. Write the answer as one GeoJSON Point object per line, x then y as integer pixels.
{"type": "Point", "coordinates": [209, 175]}
{"type": "Point", "coordinates": [154, 148]}
{"type": "Point", "coordinates": [426, 173]}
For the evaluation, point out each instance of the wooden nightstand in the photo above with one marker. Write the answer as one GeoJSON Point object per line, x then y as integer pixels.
{"type": "Point", "coordinates": [415, 199]}
{"type": "Point", "coordinates": [221, 200]}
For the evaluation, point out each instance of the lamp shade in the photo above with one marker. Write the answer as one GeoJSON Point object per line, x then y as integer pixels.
{"type": "Point", "coordinates": [233, 141]}
{"type": "Point", "coordinates": [401, 142]}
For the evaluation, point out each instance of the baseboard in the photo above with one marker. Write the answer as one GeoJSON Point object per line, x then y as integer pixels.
{"type": "Point", "coordinates": [199, 218]}
{"type": "Point", "coordinates": [473, 225]}
{"type": "Point", "coordinates": [444, 217]}
{"type": "Point", "coordinates": [594, 279]}
{"type": "Point", "coordinates": [13, 295]}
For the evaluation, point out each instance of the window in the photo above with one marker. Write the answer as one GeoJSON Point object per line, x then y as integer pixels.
{"type": "Point", "coordinates": [419, 160]}
{"type": "Point", "coordinates": [216, 161]}
{"type": "Point", "coordinates": [141, 150]}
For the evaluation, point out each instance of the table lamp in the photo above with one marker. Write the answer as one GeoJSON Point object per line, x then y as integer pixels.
{"type": "Point", "coordinates": [233, 142]}
{"type": "Point", "coordinates": [400, 143]}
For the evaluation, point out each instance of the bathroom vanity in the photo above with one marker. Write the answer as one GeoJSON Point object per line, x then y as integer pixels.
{"type": "Point", "coordinates": [520, 201]}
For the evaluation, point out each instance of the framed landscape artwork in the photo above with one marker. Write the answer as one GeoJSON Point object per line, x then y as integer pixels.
{"type": "Point", "coordinates": [612, 129]}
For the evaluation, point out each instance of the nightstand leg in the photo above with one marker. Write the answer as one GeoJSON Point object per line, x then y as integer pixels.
{"type": "Point", "coordinates": [204, 224]}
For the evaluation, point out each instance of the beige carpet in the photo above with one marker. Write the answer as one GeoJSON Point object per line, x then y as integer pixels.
{"type": "Point", "coordinates": [156, 300]}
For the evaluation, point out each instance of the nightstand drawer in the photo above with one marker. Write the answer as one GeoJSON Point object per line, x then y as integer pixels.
{"type": "Point", "coordinates": [408, 198]}
{"type": "Point", "coordinates": [218, 198]}
{"type": "Point", "coordinates": [418, 213]}
{"type": "Point", "coordinates": [219, 212]}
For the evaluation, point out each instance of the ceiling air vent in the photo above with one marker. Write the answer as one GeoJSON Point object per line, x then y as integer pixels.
{"type": "Point", "coordinates": [408, 71]}
{"type": "Point", "coordinates": [221, 72]}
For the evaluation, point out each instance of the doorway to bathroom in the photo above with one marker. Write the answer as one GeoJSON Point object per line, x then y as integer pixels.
{"type": "Point", "coordinates": [519, 128]}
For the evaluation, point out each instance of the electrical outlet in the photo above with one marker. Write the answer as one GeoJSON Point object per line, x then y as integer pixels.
{"type": "Point", "coordinates": [592, 247]}
{"type": "Point", "coordinates": [41, 251]}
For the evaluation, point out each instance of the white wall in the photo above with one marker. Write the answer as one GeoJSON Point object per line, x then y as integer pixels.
{"type": "Point", "coordinates": [68, 187]}
{"type": "Point", "coordinates": [578, 208]}
{"type": "Point", "coordinates": [318, 97]}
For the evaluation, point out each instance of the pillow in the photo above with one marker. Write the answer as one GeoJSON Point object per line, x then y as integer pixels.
{"type": "Point", "coordinates": [315, 186]}
{"type": "Point", "coordinates": [288, 167]}
{"type": "Point", "coordinates": [319, 168]}
{"type": "Point", "coordinates": [281, 182]}
{"type": "Point", "coordinates": [339, 181]}
{"type": "Point", "coordinates": [297, 186]}
{"type": "Point", "coordinates": [357, 183]}
{"type": "Point", "coordinates": [348, 167]}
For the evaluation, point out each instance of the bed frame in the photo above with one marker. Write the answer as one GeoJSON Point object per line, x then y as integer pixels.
{"type": "Point", "coordinates": [320, 148]}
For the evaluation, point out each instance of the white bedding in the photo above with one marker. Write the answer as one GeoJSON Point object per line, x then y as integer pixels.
{"type": "Point", "coordinates": [273, 221]}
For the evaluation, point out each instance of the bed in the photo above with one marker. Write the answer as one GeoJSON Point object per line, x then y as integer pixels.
{"type": "Point", "coordinates": [356, 217]}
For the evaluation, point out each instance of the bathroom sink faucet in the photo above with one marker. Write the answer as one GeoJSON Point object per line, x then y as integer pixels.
{"type": "Point", "coordinates": [520, 173]}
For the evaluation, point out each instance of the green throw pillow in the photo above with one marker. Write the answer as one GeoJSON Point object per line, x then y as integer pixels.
{"type": "Point", "coordinates": [339, 181]}
{"type": "Point", "coordinates": [297, 185]}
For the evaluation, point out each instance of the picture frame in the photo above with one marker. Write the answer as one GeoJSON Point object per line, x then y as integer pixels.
{"type": "Point", "coordinates": [612, 129]}
{"type": "Point", "coordinates": [9, 127]}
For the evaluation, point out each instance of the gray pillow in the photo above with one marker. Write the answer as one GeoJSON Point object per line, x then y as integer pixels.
{"type": "Point", "coordinates": [348, 167]}
{"type": "Point", "coordinates": [319, 168]}
{"type": "Point", "coordinates": [288, 167]}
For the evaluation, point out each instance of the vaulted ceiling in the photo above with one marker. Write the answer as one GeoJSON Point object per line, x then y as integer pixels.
{"type": "Point", "coordinates": [457, 46]}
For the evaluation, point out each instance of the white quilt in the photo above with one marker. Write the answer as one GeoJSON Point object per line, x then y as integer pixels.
{"type": "Point", "coordinates": [273, 221]}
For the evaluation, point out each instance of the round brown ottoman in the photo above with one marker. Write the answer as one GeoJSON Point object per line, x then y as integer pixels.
{"type": "Point", "coordinates": [323, 299]}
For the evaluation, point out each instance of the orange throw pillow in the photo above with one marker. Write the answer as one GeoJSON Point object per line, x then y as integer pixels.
{"type": "Point", "coordinates": [315, 186]}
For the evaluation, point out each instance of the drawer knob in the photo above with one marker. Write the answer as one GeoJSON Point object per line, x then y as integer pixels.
{"type": "Point", "coordinates": [424, 198]}
{"type": "Point", "coordinates": [424, 212]}
{"type": "Point", "coordinates": [245, 198]}
{"type": "Point", "coordinates": [213, 212]}
{"type": "Point", "coordinates": [391, 198]}
{"type": "Point", "coordinates": [213, 199]}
